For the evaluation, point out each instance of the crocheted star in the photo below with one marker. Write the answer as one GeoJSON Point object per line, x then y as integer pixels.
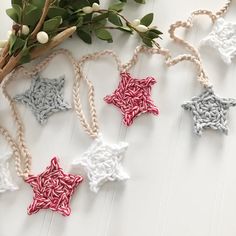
{"type": "Point", "coordinates": [102, 163]}
{"type": "Point", "coordinates": [133, 97]}
{"type": "Point", "coordinates": [209, 111]}
{"type": "Point", "coordinates": [6, 183]}
{"type": "Point", "coordinates": [44, 97]}
{"type": "Point", "coordinates": [53, 189]}
{"type": "Point", "coordinates": [223, 39]}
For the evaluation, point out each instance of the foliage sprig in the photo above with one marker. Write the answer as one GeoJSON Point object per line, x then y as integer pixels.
{"type": "Point", "coordinates": [41, 25]}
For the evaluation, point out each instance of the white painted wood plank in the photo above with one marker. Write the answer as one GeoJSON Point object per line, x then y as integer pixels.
{"type": "Point", "coordinates": [180, 185]}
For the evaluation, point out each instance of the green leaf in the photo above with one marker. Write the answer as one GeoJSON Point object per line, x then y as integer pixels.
{"type": "Point", "coordinates": [140, 1]}
{"type": "Point", "coordinates": [18, 10]}
{"type": "Point", "coordinates": [147, 20]}
{"type": "Point", "coordinates": [114, 19]}
{"type": "Point", "coordinates": [25, 55]}
{"type": "Point", "coordinates": [147, 41]}
{"type": "Point", "coordinates": [117, 6]}
{"type": "Point", "coordinates": [85, 36]}
{"type": "Point", "coordinates": [16, 43]}
{"type": "Point", "coordinates": [19, 43]}
{"type": "Point", "coordinates": [12, 40]}
{"type": "Point", "coordinates": [79, 22]}
{"type": "Point", "coordinates": [17, 2]}
{"type": "Point", "coordinates": [156, 31]}
{"type": "Point", "coordinates": [100, 17]}
{"type": "Point", "coordinates": [103, 34]}
{"type": "Point", "coordinates": [38, 3]}
{"type": "Point", "coordinates": [153, 33]}
{"type": "Point", "coordinates": [25, 59]}
{"type": "Point", "coordinates": [125, 29]}
{"type": "Point", "coordinates": [11, 12]}
{"type": "Point", "coordinates": [79, 4]}
{"type": "Point", "coordinates": [32, 15]}
{"type": "Point", "coordinates": [57, 11]}
{"type": "Point", "coordinates": [52, 24]}
{"type": "Point", "coordinates": [15, 13]}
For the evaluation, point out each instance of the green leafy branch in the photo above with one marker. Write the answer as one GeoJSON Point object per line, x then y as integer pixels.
{"type": "Point", "coordinates": [41, 25]}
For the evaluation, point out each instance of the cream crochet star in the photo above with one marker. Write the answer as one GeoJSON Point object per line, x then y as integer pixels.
{"type": "Point", "coordinates": [223, 39]}
{"type": "Point", "coordinates": [6, 183]}
{"type": "Point", "coordinates": [102, 163]}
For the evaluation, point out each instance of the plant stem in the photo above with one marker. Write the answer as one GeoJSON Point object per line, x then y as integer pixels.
{"type": "Point", "coordinates": [41, 21]}
{"type": "Point", "coordinates": [11, 64]}
{"type": "Point", "coordinates": [13, 61]}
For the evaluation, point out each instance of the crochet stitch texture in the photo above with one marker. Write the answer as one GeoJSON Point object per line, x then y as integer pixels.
{"type": "Point", "coordinates": [44, 97]}
{"type": "Point", "coordinates": [102, 163]}
{"type": "Point", "coordinates": [133, 97]}
{"type": "Point", "coordinates": [6, 183]}
{"type": "Point", "coordinates": [53, 189]}
{"type": "Point", "coordinates": [223, 39]}
{"type": "Point", "coordinates": [209, 111]}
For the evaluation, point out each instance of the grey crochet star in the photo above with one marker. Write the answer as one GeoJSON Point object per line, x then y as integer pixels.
{"type": "Point", "coordinates": [44, 97]}
{"type": "Point", "coordinates": [209, 111]}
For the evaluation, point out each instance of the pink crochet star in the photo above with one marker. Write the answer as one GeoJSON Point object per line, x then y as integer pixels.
{"type": "Point", "coordinates": [133, 97]}
{"type": "Point", "coordinates": [53, 189]}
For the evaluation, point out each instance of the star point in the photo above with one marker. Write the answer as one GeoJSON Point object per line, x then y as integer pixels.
{"type": "Point", "coordinates": [53, 189]}
{"type": "Point", "coordinates": [133, 97]}
{"type": "Point", "coordinates": [6, 183]}
{"type": "Point", "coordinates": [223, 39]}
{"type": "Point", "coordinates": [44, 97]}
{"type": "Point", "coordinates": [101, 162]}
{"type": "Point", "coordinates": [209, 111]}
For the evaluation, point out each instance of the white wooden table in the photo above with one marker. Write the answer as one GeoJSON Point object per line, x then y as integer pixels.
{"type": "Point", "coordinates": [181, 185]}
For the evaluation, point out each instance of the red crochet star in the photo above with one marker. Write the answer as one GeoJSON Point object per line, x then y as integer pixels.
{"type": "Point", "coordinates": [133, 97]}
{"type": "Point", "coordinates": [53, 189]}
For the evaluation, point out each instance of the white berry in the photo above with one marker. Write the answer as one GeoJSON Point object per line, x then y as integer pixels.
{"type": "Point", "coordinates": [87, 10]}
{"type": "Point", "coordinates": [3, 43]}
{"type": "Point", "coordinates": [25, 30]}
{"type": "Point", "coordinates": [96, 6]}
{"type": "Point", "coordinates": [42, 37]}
{"type": "Point", "coordinates": [142, 28]}
{"type": "Point", "coordinates": [136, 22]}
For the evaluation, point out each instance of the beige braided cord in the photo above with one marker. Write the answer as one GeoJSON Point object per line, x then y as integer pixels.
{"type": "Point", "coordinates": [201, 75]}
{"type": "Point", "coordinates": [195, 55]}
{"type": "Point", "coordinates": [144, 49]}
{"type": "Point", "coordinates": [224, 9]}
{"type": "Point", "coordinates": [15, 150]}
{"type": "Point", "coordinates": [93, 128]}
{"type": "Point", "coordinates": [23, 166]}
{"type": "Point", "coordinates": [23, 169]}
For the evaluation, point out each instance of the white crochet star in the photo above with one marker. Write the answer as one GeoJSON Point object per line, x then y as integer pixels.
{"type": "Point", "coordinates": [209, 111]}
{"type": "Point", "coordinates": [44, 97]}
{"type": "Point", "coordinates": [6, 183]}
{"type": "Point", "coordinates": [223, 39]}
{"type": "Point", "coordinates": [101, 162]}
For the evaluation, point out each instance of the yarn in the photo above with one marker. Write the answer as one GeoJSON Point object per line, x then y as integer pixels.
{"type": "Point", "coordinates": [53, 189]}
{"type": "Point", "coordinates": [44, 97]}
{"type": "Point", "coordinates": [209, 111]}
{"type": "Point", "coordinates": [6, 183]}
{"type": "Point", "coordinates": [223, 39]}
{"type": "Point", "coordinates": [133, 97]}
{"type": "Point", "coordinates": [102, 163]}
